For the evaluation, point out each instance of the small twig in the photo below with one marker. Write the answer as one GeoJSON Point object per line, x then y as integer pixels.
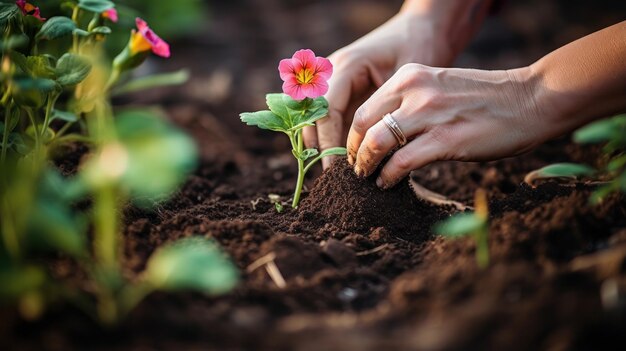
{"type": "Point", "coordinates": [270, 267]}
{"type": "Point", "coordinates": [275, 274]}
{"type": "Point", "coordinates": [435, 198]}
{"type": "Point", "coordinates": [371, 251]}
{"type": "Point", "coordinates": [261, 262]}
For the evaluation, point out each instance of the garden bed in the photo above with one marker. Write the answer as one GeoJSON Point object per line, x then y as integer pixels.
{"type": "Point", "coordinates": [362, 269]}
{"type": "Point", "coordinates": [358, 280]}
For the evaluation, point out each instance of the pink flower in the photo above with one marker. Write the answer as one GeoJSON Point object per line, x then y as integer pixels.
{"type": "Point", "coordinates": [29, 10]}
{"type": "Point", "coordinates": [146, 39]}
{"type": "Point", "coordinates": [111, 15]}
{"type": "Point", "coordinates": [304, 75]}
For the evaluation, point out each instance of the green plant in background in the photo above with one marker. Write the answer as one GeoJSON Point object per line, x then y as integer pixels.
{"type": "Point", "coordinates": [611, 132]}
{"type": "Point", "coordinates": [56, 89]}
{"type": "Point", "coordinates": [475, 224]}
{"type": "Point", "coordinates": [302, 104]}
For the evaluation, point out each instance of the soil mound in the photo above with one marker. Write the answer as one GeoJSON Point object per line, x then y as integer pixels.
{"type": "Point", "coordinates": [356, 204]}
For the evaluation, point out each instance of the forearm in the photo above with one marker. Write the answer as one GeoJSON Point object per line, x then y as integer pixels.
{"type": "Point", "coordinates": [583, 80]}
{"type": "Point", "coordinates": [454, 23]}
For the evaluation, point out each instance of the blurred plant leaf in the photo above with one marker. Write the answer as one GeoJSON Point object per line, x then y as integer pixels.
{"type": "Point", "coordinates": [14, 42]}
{"type": "Point", "coordinates": [153, 81]}
{"type": "Point", "coordinates": [459, 225]}
{"type": "Point", "coordinates": [19, 280]}
{"type": "Point", "coordinates": [8, 12]}
{"type": "Point", "coordinates": [56, 27]}
{"type": "Point", "coordinates": [334, 151]}
{"type": "Point", "coordinates": [559, 170]}
{"type": "Point", "coordinates": [72, 69]}
{"type": "Point", "coordinates": [601, 131]}
{"type": "Point", "coordinates": [104, 30]}
{"type": "Point", "coordinates": [193, 263]}
{"type": "Point", "coordinates": [52, 223]}
{"type": "Point", "coordinates": [63, 116]}
{"type": "Point", "coordinates": [40, 67]}
{"type": "Point", "coordinates": [32, 92]}
{"type": "Point", "coordinates": [97, 6]}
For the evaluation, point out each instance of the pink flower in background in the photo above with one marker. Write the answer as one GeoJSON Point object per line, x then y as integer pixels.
{"type": "Point", "coordinates": [29, 9]}
{"type": "Point", "coordinates": [304, 75]}
{"type": "Point", "coordinates": [146, 39]}
{"type": "Point", "coordinates": [111, 15]}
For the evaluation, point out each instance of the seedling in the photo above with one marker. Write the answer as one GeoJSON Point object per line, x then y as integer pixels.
{"type": "Point", "coordinates": [610, 131]}
{"type": "Point", "coordinates": [305, 79]}
{"type": "Point", "coordinates": [475, 224]}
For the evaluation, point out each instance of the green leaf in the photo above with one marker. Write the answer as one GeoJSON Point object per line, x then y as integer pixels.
{"type": "Point", "coordinates": [308, 153]}
{"type": "Point", "coordinates": [104, 30]}
{"type": "Point", "coordinates": [154, 81]}
{"type": "Point", "coordinates": [192, 263]}
{"type": "Point", "coordinates": [54, 227]}
{"type": "Point", "coordinates": [297, 114]}
{"type": "Point", "coordinates": [14, 42]}
{"type": "Point", "coordinates": [97, 6]}
{"type": "Point", "coordinates": [616, 164]}
{"type": "Point", "coordinates": [568, 170]}
{"type": "Point", "coordinates": [153, 158]}
{"type": "Point", "coordinates": [40, 67]}
{"type": "Point", "coordinates": [8, 12]}
{"type": "Point", "coordinates": [459, 225]}
{"type": "Point", "coordinates": [600, 131]}
{"type": "Point", "coordinates": [72, 69]}
{"type": "Point", "coordinates": [56, 27]}
{"type": "Point", "coordinates": [32, 92]}
{"type": "Point", "coordinates": [334, 151]}
{"type": "Point", "coordinates": [264, 120]}
{"type": "Point", "coordinates": [63, 116]}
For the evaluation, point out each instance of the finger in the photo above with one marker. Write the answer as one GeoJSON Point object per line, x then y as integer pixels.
{"type": "Point", "coordinates": [416, 154]}
{"type": "Point", "coordinates": [368, 114]}
{"type": "Point", "coordinates": [309, 135]}
{"type": "Point", "coordinates": [330, 129]}
{"type": "Point", "coordinates": [379, 140]}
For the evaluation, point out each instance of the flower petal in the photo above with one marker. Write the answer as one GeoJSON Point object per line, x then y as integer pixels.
{"type": "Point", "coordinates": [293, 89]}
{"type": "Point", "coordinates": [305, 59]}
{"type": "Point", "coordinates": [141, 24]}
{"type": "Point", "coordinates": [286, 69]}
{"type": "Point", "coordinates": [315, 89]}
{"type": "Point", "coordinates": [323, 68]}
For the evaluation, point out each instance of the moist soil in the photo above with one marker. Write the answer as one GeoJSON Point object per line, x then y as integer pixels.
{"type": "Point", "coordinates": [362, 268]}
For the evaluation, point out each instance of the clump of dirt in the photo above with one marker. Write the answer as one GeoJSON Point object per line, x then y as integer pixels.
{"type": "Point", "coordinates": [355, 204]}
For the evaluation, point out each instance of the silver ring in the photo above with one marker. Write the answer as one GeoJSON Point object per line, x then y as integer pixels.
{"type": "Point", "coordinates": [395, 129]}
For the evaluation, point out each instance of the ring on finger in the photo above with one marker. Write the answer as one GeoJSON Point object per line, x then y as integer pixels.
{"type": "Point", "coordinates": [393, 126]}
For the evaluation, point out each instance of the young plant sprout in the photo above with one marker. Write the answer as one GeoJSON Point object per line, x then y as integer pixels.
{"type": "Point", "coordinates": [474, 223]}
{"type": "Point", "coordinates": [610, 131]}
{"type": "Point", "coordinates": [305, 78]}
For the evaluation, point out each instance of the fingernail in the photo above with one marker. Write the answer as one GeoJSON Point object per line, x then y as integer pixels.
{"type": "Point", "coordinates": [350, 160]}
{"type": "Point", "coordinates": [380, 183]}
{"type": "Point", "coordinates": [357, 170]}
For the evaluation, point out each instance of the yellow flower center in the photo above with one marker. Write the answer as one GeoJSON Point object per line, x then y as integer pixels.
{"type": "Point", "coordinates": [304, 76]}
{"type": "Point", "coordinates": [139, 43]}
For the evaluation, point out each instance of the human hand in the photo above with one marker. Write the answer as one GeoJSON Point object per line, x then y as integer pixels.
{"type": "Point", "coordinates": [449, 114]}
{"type": "Point", "coordinates": [362, 67]}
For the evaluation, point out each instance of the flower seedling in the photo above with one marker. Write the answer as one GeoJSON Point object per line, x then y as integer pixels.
{"type": "Point", "coordinates": [305, 78]}
{"type": "Point", "coordinates": [611, 132]}
{"type": "Point", "coordinates": [475, 224]}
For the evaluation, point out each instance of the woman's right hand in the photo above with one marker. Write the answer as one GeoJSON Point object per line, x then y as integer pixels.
{"type": "Point", "coordinates": [424, 31]}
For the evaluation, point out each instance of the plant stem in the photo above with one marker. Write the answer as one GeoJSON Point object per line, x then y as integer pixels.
{"type": "Point", "coordinates": [52, 98]}
{"type": "Point", "coordinates": [115, 76]}
{"type": "Point", "coordinates": [75, 14]}
{"type": "Point", "coordinates": [301, 170]}
{"type": "Point", "coordinates": [9, 232]}
{"type": "Point", "coordinates": [482, 246]}
{"type": "Point", "coordinates": [105, 223]}
{"type": "Point", "coordinates": [31, 117]}
{"type": "Point", "coordinates": [5, 135]}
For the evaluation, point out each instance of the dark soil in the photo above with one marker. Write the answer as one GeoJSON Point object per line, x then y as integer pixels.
{"type": "Point", "coordinates": [362, 268]}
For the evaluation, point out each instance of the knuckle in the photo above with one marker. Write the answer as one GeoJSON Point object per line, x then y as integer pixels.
{"type": "Point", "coordinates": [374, 141]}
{"type": "Point", "coordinates": [360, 119]}
{"type": "Point", "coordinates": [402, 161]}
